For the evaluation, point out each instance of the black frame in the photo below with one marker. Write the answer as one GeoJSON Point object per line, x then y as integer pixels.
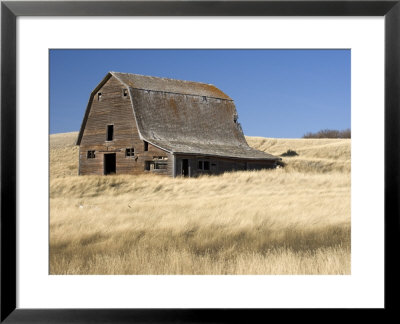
{"type": "Point", "coordinates": [11, 10]}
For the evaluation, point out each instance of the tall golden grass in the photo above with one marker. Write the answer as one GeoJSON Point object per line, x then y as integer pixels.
{"type": "Point", "coordinates": [294, 220]}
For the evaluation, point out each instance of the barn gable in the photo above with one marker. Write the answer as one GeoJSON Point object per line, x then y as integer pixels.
{"type": "Point", "coordinates": [87, 111]}
{"type": "Point", "coordinates": [110, 142]}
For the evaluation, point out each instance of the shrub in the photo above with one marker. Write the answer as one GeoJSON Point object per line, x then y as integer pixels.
{"type": "Point", "coordinates": [329, 133]}
{"type": "Point", "coordinates": [289, 153]}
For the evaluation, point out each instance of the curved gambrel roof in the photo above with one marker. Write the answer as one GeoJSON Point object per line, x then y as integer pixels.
{"type": "Point", "coordinates": [144, 82]}
{"type": "Point", "coordinates": [184, 117]}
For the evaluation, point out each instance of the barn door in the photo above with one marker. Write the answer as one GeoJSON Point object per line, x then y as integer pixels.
{"type": "Point", "coordinates": [109, 163]}
{"type": "Point", "coordinates": [185, 167]}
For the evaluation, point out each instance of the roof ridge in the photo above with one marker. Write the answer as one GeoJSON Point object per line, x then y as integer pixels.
{"type": "Point", "coordinates": [180, 93]}
{"type": "Point", "coordinates": [162, 78]}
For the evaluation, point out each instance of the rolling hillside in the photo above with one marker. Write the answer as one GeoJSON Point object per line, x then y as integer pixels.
{"type": "Point", "coordinates": [292, 220]}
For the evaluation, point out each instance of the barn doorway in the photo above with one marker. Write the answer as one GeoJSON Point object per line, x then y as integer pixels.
{"type": "Point", "coordinates": [185, 167]}
{"type": "Point", "coordinates": [109, 163]}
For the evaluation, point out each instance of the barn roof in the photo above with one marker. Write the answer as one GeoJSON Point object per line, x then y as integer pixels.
{"type": "Point", "coordinates": [137, 81]}
{"type": "Point", "coordinates": [214, 149]}
{"type": "Point", "coordinates": [185, 117]}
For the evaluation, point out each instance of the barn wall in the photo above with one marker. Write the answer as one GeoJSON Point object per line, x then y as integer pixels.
{"type": "Point", "coordinates": [258, 165]}
{"type": "Point", "coordinates": [115, 109]}
{"type": "Point", "coordinates": [219, 165]}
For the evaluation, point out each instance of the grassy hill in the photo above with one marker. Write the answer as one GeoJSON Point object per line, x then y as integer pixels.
{"type": "Point", "coordinates": [293, 220]}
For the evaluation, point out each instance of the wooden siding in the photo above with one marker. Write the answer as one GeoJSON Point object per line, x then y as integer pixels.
{"type": "Point", "coordinates": [115, 109]}
{"type": "Point", "coordinates": [219, 165]}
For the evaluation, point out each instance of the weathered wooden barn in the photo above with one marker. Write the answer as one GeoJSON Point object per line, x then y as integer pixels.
{"type": "Point", "coordinates": [136, 124]}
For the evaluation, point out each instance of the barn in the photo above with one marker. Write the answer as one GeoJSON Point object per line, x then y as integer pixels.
{"type": "Point", "coordinates": [137, 124]}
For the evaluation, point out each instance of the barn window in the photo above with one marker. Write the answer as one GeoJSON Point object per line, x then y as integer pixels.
{"type": "Point", "coordinates": [91, 155]}
{"type": "Point", "coordinates": [110, 132]}
{"type": "Point", "coordinates": [125, 92]}
{"type": "Point", "coordinates": [203, 165]}
{"type": "Point", "coordinates": [99, 96]}
{"type": "Point", "coordinates": [155, 165]}
{"type": "Point", "coordinates": [145, 146]}
{"type": "Point", "coordinates": [129, 152]}
{"type": "Point", "coordinates": [160, 165]}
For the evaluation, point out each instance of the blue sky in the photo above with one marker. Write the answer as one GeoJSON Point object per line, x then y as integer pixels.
{"type": "Point", "coordinates": [278, 93]}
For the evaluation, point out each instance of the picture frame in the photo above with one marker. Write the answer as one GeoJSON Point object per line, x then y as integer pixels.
{"type": "Point", "coordinates": [10, 10]}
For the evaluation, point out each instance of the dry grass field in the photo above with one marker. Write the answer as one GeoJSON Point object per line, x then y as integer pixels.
{"type": "Point", "coordinates": [292, 220]}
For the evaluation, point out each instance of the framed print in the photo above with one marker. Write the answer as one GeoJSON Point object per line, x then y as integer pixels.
{"type": "Point", "coordinates": [42, 277]}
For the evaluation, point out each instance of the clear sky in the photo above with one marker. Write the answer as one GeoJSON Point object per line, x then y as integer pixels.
{"type": "Point", "coordinates": [278, 93]}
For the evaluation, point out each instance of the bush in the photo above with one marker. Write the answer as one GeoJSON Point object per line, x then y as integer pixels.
{"type": "Point", "coordinates": [329, 133]}
{"type": "Point", "coordinates": [289, 153]}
